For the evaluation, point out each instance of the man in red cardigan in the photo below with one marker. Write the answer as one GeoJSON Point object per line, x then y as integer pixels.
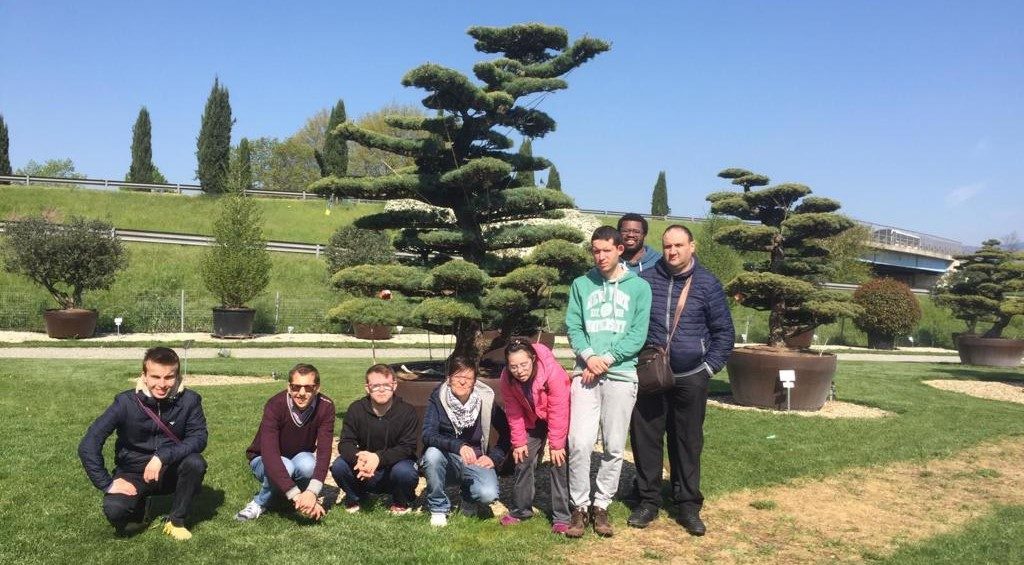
{"type": "Point", "coordinates": [292, 449]}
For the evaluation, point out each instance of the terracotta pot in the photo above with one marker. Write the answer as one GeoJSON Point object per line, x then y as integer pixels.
{"type": "Point", "coordinates": [990, 351]}
{"type": "Point", "coordinates": [371, 331]}
{"type": "Point", "coordinates": [75, 323]}
{"type": "Point", "coordinates": [233, 323]}
{"type": "Point", "coordinates": [801, 340]}
{"type": "Point", "coordinates": [754, 377]}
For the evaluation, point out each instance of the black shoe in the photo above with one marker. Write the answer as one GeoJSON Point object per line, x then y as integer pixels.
{"type": "Point", "coordinates": [689, 519]}
{"type": "Point", "coordinates": [642, 516]}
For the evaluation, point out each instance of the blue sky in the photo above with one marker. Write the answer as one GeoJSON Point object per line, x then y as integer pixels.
{"type": "Point", "coordinates": [909, 113]}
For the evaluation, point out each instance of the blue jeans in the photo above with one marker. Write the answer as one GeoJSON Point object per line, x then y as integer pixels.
{"type": "Point", "coordinates": [300, 468]}
{"type": "Point", "coordinates": [439, 468]}
{"type": "Point", "coordinates": [398, 480]}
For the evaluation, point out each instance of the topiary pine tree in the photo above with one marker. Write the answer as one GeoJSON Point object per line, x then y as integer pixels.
{"type": "Point", "coordinates": [659, 198]}
{"type": "Point", "coordinates": [5, 149]}
{"type": "Point", "coordinates": [986, 286]}
{"type": "Point", "coordinates": [213, 147]}
{"type": "Point", "coordinates": [142, 170]}
{"type": "Point", "coordinates": [525, 177]}
{"type": "Point", "coordinates": [243, 168]}
{"type": "Point", "coordinates": [787, 283]}
{"type": "Point", "coordinates": [333, 160]}
{"type": "Point", "coordinates": [554, 180]}
{"type": "Point", "coordinates": [461, 182]}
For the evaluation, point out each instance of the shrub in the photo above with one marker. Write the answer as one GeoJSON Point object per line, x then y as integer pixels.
{"type": "Point", "coordinates": [986, 286]}
{"type": "Point", "coordinates": [890, 310]}
{"type": "Point", "coordinates": [237, 268]}
{"type": "Point", "coordinates": [350, 246]}
{"type": "Point", "coordinates": [65, 259]}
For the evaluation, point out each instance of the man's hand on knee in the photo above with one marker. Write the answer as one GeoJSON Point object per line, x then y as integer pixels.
{"type": "Point", "coordinates": [305, 502]}
{"type": "Point", "coordinates": [121, 486]}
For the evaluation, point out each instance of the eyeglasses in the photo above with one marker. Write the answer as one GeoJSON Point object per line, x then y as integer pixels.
{"type": "Point", "coordinates": [380, 386]}
{"type": "Point", "coordinates": [523, 367]}
{"type": "Point", "coordinates": [302, 388]}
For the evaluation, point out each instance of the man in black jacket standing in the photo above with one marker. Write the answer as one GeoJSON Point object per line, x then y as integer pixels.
{"type": "Point", "coordinates": [377, 447]}
{"type": "Point", "coordinates": [699, 348]}
{"type": "Point", "coordinates": [161, 431]}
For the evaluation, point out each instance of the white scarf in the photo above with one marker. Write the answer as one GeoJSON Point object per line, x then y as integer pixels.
{"type": "Point", "coordinates": [462, 415]}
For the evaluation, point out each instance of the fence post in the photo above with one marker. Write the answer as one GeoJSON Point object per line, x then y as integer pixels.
{"type": "Point", "coordinates": [182, 310]}
{"type": "Point", "coordinates": [303, 194]}
{"type": "Point", "coordinates": [318, 251]}
{"type": "Point", "coordinates": [277, 310]}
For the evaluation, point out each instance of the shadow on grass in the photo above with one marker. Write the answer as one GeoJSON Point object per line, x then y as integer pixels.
{"type": "Point", "coordinates": [978, 374]}
{"type": "Point", "coordinates": [204, 508]}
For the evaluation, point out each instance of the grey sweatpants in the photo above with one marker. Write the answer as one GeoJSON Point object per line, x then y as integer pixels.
{"type": "Point", "coordinates": [608, 404]}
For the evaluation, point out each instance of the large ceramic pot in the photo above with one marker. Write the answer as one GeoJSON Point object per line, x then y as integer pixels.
{"type": "Point", "coordinates": [990, 351]}
{"type": "Point", "coordinates": [233, 323]}
{"type": "Point", "coordinates": [73, 323]}
{"type": "Point", "coordinates": [754, 377]}
{"type": "Point", "coordinates": [371, 331]}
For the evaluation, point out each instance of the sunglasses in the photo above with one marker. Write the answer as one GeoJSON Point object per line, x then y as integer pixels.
{"type": "Point", "coordinates": [302, 388]}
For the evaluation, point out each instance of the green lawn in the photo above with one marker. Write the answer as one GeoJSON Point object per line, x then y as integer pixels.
{"type": "Point", "coordinates": [285, 220]}
{"type": "Point", "coordinates": [993, 539]}
{"type": "Point", "coordinates": [50, 513]}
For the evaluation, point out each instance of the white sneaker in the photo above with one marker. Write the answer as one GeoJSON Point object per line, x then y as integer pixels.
{"type": "Point", "coordinates": [438, 519]}
{"type": "Point", "coordinates": [250, 512]}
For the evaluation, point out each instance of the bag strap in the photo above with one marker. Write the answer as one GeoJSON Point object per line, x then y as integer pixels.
{"type": "Point", "coordinates": [680, 304]}
{"type": "Point", "coordinates": [160, 423]}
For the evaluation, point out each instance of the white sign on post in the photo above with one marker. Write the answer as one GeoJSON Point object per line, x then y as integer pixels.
{"type": "Point", "coordinates": [787, 375]}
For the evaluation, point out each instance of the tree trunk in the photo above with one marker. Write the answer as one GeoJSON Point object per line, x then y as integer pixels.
{"type": "Point", "coordinates": [465, 340]}
{"type": "Point", "coordinates": [997, 329]}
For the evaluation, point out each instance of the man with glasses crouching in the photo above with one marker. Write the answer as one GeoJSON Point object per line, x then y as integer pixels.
{"type": "Point", "coordinates": [377, 447]}
{"type": "Point", "coordinates": [292, 449]}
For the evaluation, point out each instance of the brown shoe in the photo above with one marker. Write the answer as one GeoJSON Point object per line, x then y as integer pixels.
{"type": "Point", "coordinates": [577, 523]}
{"type": "Point", "coordinates": [602, 527]}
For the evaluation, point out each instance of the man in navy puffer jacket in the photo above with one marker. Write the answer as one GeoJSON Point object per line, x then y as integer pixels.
{"type": "Point", "coordinates": [700, 347]}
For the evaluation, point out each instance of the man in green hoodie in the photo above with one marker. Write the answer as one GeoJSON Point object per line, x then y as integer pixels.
{"type": "Point", "coordinates": [609, 309]}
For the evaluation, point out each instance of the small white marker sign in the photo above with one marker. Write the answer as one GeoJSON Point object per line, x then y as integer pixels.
{"type": "Point", "coordinates": [788, 384]}
{"type": "Point", "coordinates": [787, 375]}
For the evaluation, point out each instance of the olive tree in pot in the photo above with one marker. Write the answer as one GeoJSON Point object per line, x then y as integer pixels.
{"type": "Point", "coordinates": [66, 260]}
{"type": "Point", "coordinates": [237, 268]}
{"type": "Point", "coordinates": [986, 287]}
{"type": "Point", "coordinates": [890, 310]}
{"type": "Point", "coordinates": [786, 283]}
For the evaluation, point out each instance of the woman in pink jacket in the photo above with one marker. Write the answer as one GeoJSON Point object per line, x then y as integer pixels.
{"type": "Point", "coordinates": [536, 392]}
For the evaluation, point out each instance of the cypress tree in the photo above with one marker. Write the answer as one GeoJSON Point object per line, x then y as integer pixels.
{"type": "Point", "coordinates": [142, 169]}
{"type": "Point", "coordinates": [524, 176]}
{"type": "Point", "coordinates": [5, 147]}
{"type": "Point", "coordinates": [659, 199]}
{"type": "Point", "coordinates": [244, 166]}
{"type": "Point", "coordinates": [554, 180]}
{"type": "Point", "coordinates": [334, 158]}
{"type": "Point", "coordinates": [213, 147]}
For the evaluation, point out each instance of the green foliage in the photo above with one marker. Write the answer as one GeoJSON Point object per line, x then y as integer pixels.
{"type": "Point", "coordinates": [890, 309]}
{"type": "Point", "coordinates": [368, 280]}
{"type": "Point", "coordinates": [659, 198]}
{"type": "Point", "coordinates": [570, 260]}
{"type": "Point", "coordinates": [213, 147]}
{"type": "Point", "coordinates": [52, 168]}
{"type": "Point", "coordinates": [462, 164]}
{"type": "Point", "coordinates": [237, 268]}
{"type": "Point", "coordinates": [241, 167]}
{"type": "Point", "coordinates": [793, 235]}
{"type": "Point", "coordinates": [350, 246]}
{"type": "Point", "coordinates": [845, 251]}
{"type": "Point", "coordinates": [554, 179]}
{"type": "Point", "coordinates": [335, 151]}
{"type": "Point", "coordinates": [985, 286]}
{"type": "Point", "coordinates": [716, 257]}
{"type": "Point", "coordinates": [65, 259]}
{"type": "Point", "coordinates": [142, 169]}
{"type": "Point", "coordinates": [292, 166]}
{"type": "Point", "coordinates": [5, 148]}
{"type": "Point", "coordinates": [370, 311]}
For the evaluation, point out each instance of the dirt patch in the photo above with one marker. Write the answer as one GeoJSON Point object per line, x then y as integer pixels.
{"type": "Point", "coordinates": [989, 390]}
{"type": "Point", "coordinates": [841, 518]}
{"type": "Point", "coordinates": [223, 380]}
{"type": "Point", "coordinates": [832, 409]}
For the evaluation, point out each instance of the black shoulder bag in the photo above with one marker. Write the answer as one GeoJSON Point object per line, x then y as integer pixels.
{"type": "Point", "coordinates": [653, 370]}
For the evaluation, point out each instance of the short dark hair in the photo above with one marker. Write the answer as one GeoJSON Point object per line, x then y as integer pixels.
{"type": "Point", "coordinates": [382, 369]}
{"type": "Point", "coordinates": [461, 363]}
{"type": "Point", "coordinates": [678, 227]}
{"type": "Point", "coordinates": [607, 233]}
{"type": "Point", "coordinates": [631, 217]}
{"type": "Point", "coordinates": [161, 356]}
{"type": "Point", "coordinates": [520, 344]}
{"type": "Point", "coordinates": [304, 369]}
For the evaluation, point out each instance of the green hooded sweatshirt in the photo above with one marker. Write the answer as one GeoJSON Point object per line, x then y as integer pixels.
{"type": "Point", "coordinates": [609, 318]}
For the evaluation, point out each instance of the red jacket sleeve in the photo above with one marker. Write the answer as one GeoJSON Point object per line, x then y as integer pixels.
{"type": "Point", "coordinates": [558, 397]}
{"type": "Point", "coordinates": [513, 409]}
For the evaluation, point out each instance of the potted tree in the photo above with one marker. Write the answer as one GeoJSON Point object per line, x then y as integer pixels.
{"type": "Point", "coordinates": [66, 260]}
{"type": "Point", "coordinates": [350, 246]}
{"type": "Point", "coordinates": [986, 286]}
{"type": "Point", "coordinates": [237, 268]}
{"type": "Point", "coordinates": [786, 282]}
{"type": "Point", "coordinates": [890, 310]}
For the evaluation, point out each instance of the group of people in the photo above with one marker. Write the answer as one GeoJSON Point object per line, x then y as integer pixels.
{"type": "Point", "coordinates": [633, 296]}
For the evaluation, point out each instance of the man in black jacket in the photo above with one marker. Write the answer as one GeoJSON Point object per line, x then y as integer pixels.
{"type": "Point", "coordinates": [377, 447]}
{"type": "Point", "coordinates": [699, 348]}
{"type": "Point", "coordinates": [161, 431]}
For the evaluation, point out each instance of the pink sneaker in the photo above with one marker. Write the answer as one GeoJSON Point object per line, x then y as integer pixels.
{"type": "Point", "coordinates": [509, 520]}
{"type": "Point", "coordinates": [559, 528]}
